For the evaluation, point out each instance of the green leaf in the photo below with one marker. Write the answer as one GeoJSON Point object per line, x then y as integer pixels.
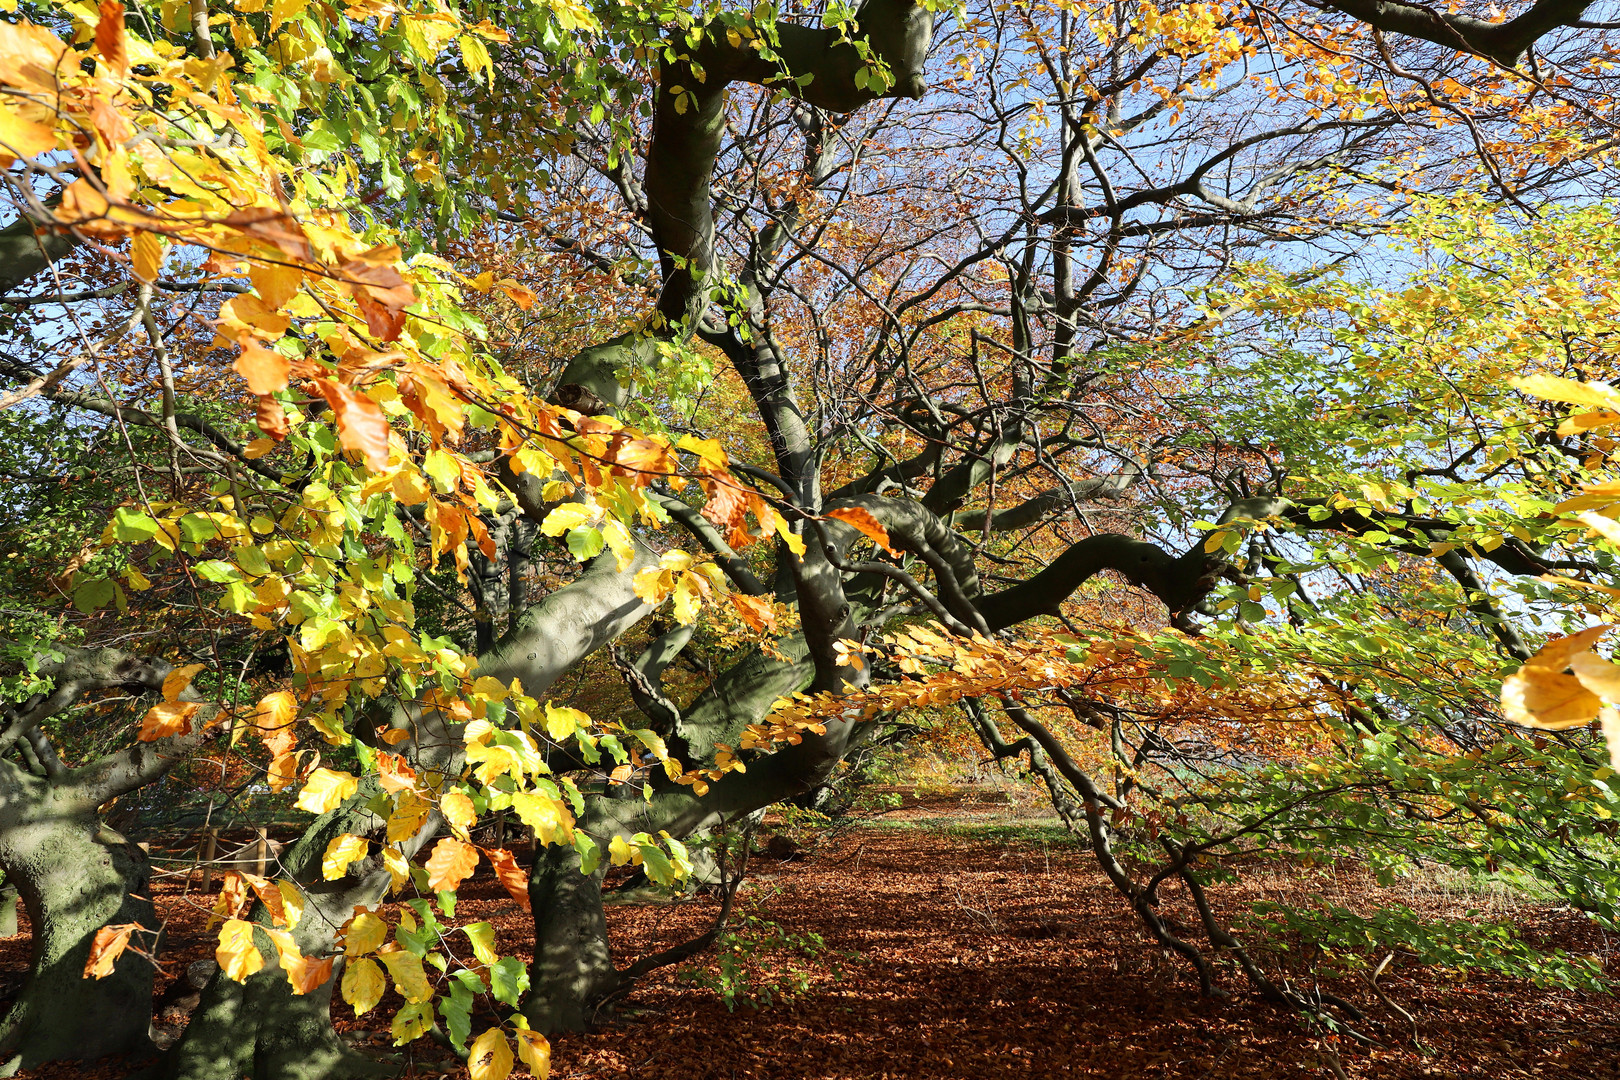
{"type": "Point", "coordinates": [509, 980]}
{"type": "Point", "coordinates": [132, 526]}
{"type": "Point", "coordinates": [92, 594]}
{"type": "Point", "coordinates": [590, 856]}
{"type": "Point", "coordinates": [218, 571]}
{"type": "Point", "coordinates": [196, 529]}
{"type": "Point", "coordinates": [657, 864]}
{"type": "Point", "coordinates": [456, 1008]}
{"type": "Point", "coordinates": [585, 542]}
{"type": "Point", "coordinates": [482, 936]}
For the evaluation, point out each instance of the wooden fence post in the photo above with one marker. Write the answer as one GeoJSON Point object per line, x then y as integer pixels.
{"type": "Point", "coordinates": [210, 848]}
{"type": "Point", "coordinates": [263, 852]}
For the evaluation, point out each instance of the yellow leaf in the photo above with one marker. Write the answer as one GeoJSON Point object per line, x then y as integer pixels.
{"type": "Point", "coordinates": [491, 1057]}
{"type": "Point", "coordinates": [548, 817]}
{"type": "Point", "coordinates": [567, 516]}
{"type": "Point", "coordinates": [410, 811]}
{"type": "Point", "coordinates": [292, 903]}
{"type": "Point", "coordinates": [365, 933]}
{"type": "Point", "coordinates": [325, 790]}
{"type": "Point", "coordinates": [409, 978]}
{"type": "Point", "coordinates": [794, 542]}
{"type": "Point", "coordinates": [1600, 676]}
{"type": "Point", "coordinates": [1606, 527]}
{"type": "Point", "coordinates": [237, 954]}
{"type": "Point", "coordinates": [411, 1022]}
{"type": "Point", "coordinates": [146, 255]}
{"type": "Point", "coordinates": [562, 723]}
{"type": "Point", "coordinates": [340, 852]}
{"type": "Point", "coordinates": [1598, 395]}
{"type": "Point", "coordinates": [620, 852]}
{"type": "Point", "coordinates": [399, 869]}
{"type": "Point", "coordinates": [363, 985]}
{"type": "Point", "coordinates": [535, 1051]}
{"type": "Point", "coordinates": [457, 810]}
{"type": "Point", "coordinates": [1541, 695]}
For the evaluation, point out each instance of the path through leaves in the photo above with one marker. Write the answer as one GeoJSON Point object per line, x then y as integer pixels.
{"type": "Point", "coordinates": [960, 945]}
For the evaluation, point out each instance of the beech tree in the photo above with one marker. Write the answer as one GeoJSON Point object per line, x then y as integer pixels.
{"type": "Point", "coordinates": [915, 325]}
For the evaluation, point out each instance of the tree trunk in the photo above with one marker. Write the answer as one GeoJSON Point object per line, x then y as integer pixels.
{"type": "Point", "coordinates": [261, 1029]}
{"type": "Point", "coordinates": [75, 876]}
{"type": "Point", "coordinates": [573, 964]}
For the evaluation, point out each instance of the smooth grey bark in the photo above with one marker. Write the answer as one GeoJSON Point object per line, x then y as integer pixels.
{"type": "Point", "coordinates": [259, 1028]}
{"type": "Point", "coordinates": [1505, 42]}
{"type": "Point", "coordinates": [573, 960]}
{"type": "Point", "coordinates": [27, 249]}
{"type": "Point", "coordinates": [74, 876]}
{"type": "Point", "coordinates": [72, 873]}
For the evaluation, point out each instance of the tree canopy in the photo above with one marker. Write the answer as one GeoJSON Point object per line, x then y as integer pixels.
{"type": "Point", "coordinates": [615, 415]}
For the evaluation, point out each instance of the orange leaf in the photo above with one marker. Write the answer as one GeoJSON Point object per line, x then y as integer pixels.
{"type": "Point", "coordinates": [756, 611]}
{"type": "Point", "coordinates": [176, 681]}
{"type": "Point", "coordinates": [265, 370]}
{"type": "Point", "coordinates": [510, 875]}
{"type": "Point", "coordinates": [361, 425]}
{"type": "Point", "coordinates": [519, 295]}
{"type": "Point", "coordinates": [167, 718]}
{"type": "Point", "coordinates": [272, 418]}
{"type": "Point", "coordinates": [34, 58]}
{"type": "Point", "coordinates": [303, 973]}
{"type": "Point", "coordinates": [274, 719]}
{"type": "Point", "coordinates": [110, 37]}
{"type": "Point", "coordinates": [275, 283]}
{"type": "Point", "coordinates": [283, 771]}
{"type": "Point", "coordinates": [232, 892]}
{"type": "Point", "coordinates": [24, 137]}
{"type": "Point", "coordinates": [385, 323]}
{"type": "Point", "coordinates": [393, 775]}
{"type": "Point", "coordinates": [110, 943]}
{"type": "Point", "coordinates": [862, 520]}
{"type": "Point", "coordinates": [146, 255]}
{"type": "Point", "coordinates": [274, 227]}
{"type": "Point", "coordinates": [451, 863]}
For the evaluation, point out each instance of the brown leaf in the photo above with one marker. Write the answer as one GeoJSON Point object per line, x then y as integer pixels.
{"type": "Point", "coordinates": [271, 418]}
{"type": "Point", "coordinates": [110, 37]}
{"type": "Point", "coordinates": [385, 323]}
{"type": "Point", "coordinates": [274, 227]}
{"type": "Point", "coordinates": [510, 875]}
{"type": "Point", "coordinates": [110, 943]}
{"type": "Point", "coordinates": [362, 426]}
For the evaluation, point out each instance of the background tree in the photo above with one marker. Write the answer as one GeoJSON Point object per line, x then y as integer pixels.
{"type": "Point", "coordinates": [1015, 337]}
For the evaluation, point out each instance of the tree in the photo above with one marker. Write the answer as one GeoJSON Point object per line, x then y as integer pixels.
{"type": "Point", "coordinates": [1053, 293]}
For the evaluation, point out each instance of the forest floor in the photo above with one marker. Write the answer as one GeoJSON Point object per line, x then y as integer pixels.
{"type": "Point", "coordinates": [960, 940]}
